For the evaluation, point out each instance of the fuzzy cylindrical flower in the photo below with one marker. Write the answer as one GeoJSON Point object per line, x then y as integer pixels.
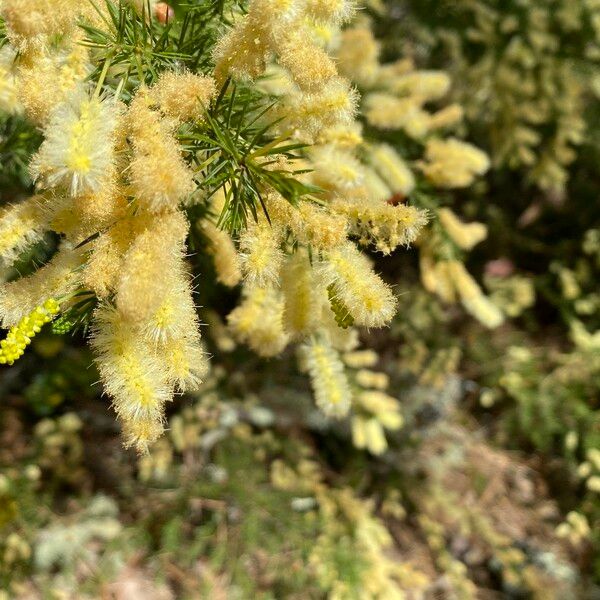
{"type": "Point", "coordinates": [368, 299]}
{"type": "Point", "coordinates": [185, 361]}
{"type": "Point", "coordinates": [160, 178]}
{"type": "Point", "coordinates": [346, 136]}
{"type": "Point", "coordinates": [107, 253]}
{"type": "Point", "coordinates": [377, 189]}
{"type": "Point", "coordinates": [367, 433]}
{"type": "Point", "coordinates": [304, 294]}
{"type": "Point", "coordinates": [174, 331]}
{"type": "Point", "coordinates": [311, 112]}
{"type": "Point", "coordinates": [465, 235]}
{"type": "Point", "coordinates": [472, 297]}
{"type": "Point", "coordinates": [452, 163]}
{"type": "Point", "coordinates": [184, 96]}
{"type": "Point", "coordinates": [36, 19]}
{"type": "Point", "coordinates": [132, 375]}
{"type": "Point", "coordinates": [56, 279]}
{"type": "Point", "coordinates": [385, 407]}
{"type": "Point", "coordinates": [360, 359]}
{"type": "Point", "coordinates": [386, 111]}
{"type": "Point", "coordinates": [309, 65]}
{"type": "Point", "coordinates": [445, 287]}
{"type": "Point", "coordinates": [242, 52]}
{"type": "Point", "coordinates": [81, 217]}
{"type": "Point", "coordinates": [335, 12]}
{"type": "Point", "coordinates": [78, 147]}
{"type": "Point", "coordinates": [358, 56]}
{"type": "Point", "coordinates": [48, 77]}
{"type": "Point", "coordinates": [311, 224]}
{"type": "Point", "coordinates": [150, 266]}
{"type": "Point", "coordinates": [318, 227]}
{"type": "Point", "coordinates": [392, 168]}
{"type": "Point", "coordinates": [21, 225]}
{"type": "Point", "coordinates": [448, 116]}
{"type": "Point", "coordinates": [225, 255]}
{"type": "Point", "coordinates": [329, 381]}
{"type": "Point", "coordinates": [174, 316]}
{"type": "Point", "coordinates": [382, 224]}
{"type": "Point", "coordinates": [426, 85]}
{"type": "Point", "coordinates": [258, 320]}
{"type": "Point", "coordinates": [372, 379]}
{"type": "Point", "coordinates": [260, 253]}
{"type": "Point", "coordinates": [335, 169]}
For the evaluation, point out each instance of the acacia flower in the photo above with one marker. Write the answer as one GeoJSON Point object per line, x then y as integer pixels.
{"type": "Point", "coordinates": [328, 378]}
{"type": "Point", "coordinates": [368, 299]}
{"type": "Point", "coordinates": [78, 146]}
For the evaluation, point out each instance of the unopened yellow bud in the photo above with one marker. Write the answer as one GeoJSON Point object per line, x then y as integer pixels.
{"type": "Point", "coordinates": [20, 336]}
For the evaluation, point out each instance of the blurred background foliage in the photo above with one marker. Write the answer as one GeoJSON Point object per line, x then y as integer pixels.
{"type": "Point", "coordinates": [491, 487]}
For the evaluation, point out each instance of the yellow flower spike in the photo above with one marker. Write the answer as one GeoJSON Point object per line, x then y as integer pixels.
{"type": "Point", "coordinates": [78, 146]}
{"type": "Point", "coordinates": [20, 336]}
{"type": "Point", "coordinates": [328, 378]}
{"type": "Point", "coordinates": [368, 299]}
{"type": "Point", "coordinates": [21, 225]}
{"type": "Point", "coordinates": [465, 235]}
